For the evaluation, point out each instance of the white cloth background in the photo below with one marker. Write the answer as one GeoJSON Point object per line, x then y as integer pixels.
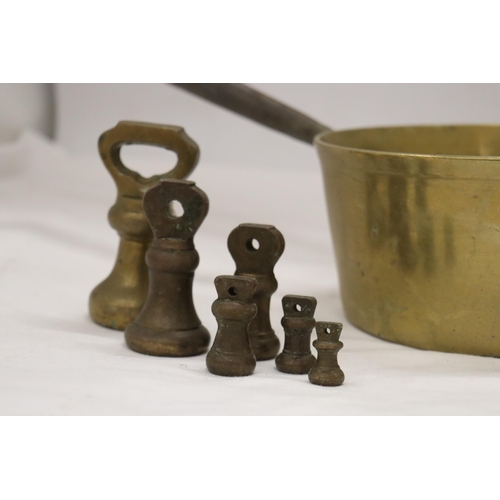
{"type": "Point", "coordinates": [56, 246]}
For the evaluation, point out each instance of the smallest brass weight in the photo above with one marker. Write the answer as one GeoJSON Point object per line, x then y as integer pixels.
{"type": "Point", "coordinates": [326, 370]}
{"type": "Point", "coordinates": [298, 323]}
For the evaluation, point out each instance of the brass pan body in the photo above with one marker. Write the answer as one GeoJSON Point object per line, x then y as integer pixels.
{"type": "Point", "coordinates": [415, 219]}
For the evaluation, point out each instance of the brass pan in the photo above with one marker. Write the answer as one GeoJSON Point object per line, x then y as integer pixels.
{"type": "Point", "coordinates": [415, 219]}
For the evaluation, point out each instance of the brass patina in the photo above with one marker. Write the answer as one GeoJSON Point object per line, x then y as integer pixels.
{"type": "Point", "coordinates": [415, 218]}
{"type": "Point", "coordinates": [168, 324]}
{"type": "Point", "coordinates": [298, 323]}
{"type": "Point", "coordinates": [231, 354]}
{"type": "Point", "coordinates": [116, 301]}
{"type": "Point", "coordinates": [326, 371]}
{"type": "Point", "coordinates": [256, 248]}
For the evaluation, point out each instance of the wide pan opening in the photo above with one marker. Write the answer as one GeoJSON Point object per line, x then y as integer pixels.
{"type": "Point", "coordinates": [454, 140]}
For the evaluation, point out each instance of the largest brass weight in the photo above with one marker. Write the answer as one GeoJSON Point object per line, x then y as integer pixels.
{"type": "Point", "coordinates": [116, 301]}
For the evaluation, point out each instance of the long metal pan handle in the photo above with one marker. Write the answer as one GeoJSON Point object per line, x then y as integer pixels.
{"type": "Point", "coordinates": [258, 107]}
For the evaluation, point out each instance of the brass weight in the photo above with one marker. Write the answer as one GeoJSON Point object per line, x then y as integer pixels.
{"type": "Point", "coordinates": [231, 354]}
{"type": "Point", "coordinates": [168, 324]}
{"type": "Point", "coordinates": [298, 322]}
{"type": "Point", "coordinates": [326, 370]}
{"type": "Point", "coordinates": [116, 301]}
{"type": "Point", "coordinates": [256, 248]}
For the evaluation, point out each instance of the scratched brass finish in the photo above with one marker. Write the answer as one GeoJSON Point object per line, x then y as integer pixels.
{"type": "Point", "coordinates": [116, 301]}
{"type": "Point", "coordinates": [415, 219]}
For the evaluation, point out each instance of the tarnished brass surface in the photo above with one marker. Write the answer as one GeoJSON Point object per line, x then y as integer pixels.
{"type": "Point", "coordinates": [116, 301]}
{"type": "Point", "coordinates": [231, 354]}
{"type": "Point", "coordinates": [415, 218]}
{"type": "Point", "coordinates": [168, 325]}
{"type": "Point", "coordinates": [256, 248]}
{"type": "Point", "coordinates": [298, 323]}
{"type": "Point", "coordinates": [326, 370]}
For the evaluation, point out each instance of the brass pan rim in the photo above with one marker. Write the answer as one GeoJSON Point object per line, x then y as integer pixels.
{"type": "Point", "coordinates": [327, 140]}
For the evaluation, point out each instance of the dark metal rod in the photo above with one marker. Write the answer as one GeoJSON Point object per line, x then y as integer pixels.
{"type": "Point", "coordinates": [259, 107]}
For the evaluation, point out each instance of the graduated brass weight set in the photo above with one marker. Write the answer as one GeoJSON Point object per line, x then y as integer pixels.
{"type": "Point", "coordinates": [149, 291]}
